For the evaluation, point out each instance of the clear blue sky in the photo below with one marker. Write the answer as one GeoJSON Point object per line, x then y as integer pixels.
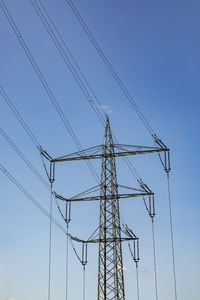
{"type": "Point", "coordinates": [154, 46]}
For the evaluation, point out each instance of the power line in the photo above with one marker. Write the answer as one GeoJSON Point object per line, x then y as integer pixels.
{"type": "Point", "coordinates": [109, 66]}
{"type": "Point", "coordinates": [16, 113]}
{"type": "Point", "coordinates": [172, 236]}
{"type": "Point", "coordinates": [67, 264]}
{"type": "Point", "coordinates": [45, 84]}
{"type": "Point", "coordinates": [52, 97]}
{"type": "Point", "coordinates": [67, 61]}
{"type": "Point", "coordinates": [37, 204]}
{"type": "Point", "coordinates": [73, 71]}
{"type": "Point", "coordinates": [49, 92]}
{"type": "Point", "coordinates": [49, 215]}
{"type": "Point", "coordinates": [21, 155]}
{"type": "Point", "coordinates": [31, 198]}
{"type": "Point", "coordinates": [18, 151]}
{"type": "Point", "coordinates": [32, 137]}
{"type": "Point", "coordinates": [19, 117]}
{"type": "Point", "coordinates": [137, 283]}
{"type": "Point", "coordinates": [71, 56]}
{"type": "Point", "coordinates": [50, 245]}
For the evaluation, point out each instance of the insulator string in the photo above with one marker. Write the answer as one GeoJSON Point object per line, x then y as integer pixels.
{"type": "Point", "coordinates": [67, 262]}
{"type": "Point", "coordinates": [45, 85]}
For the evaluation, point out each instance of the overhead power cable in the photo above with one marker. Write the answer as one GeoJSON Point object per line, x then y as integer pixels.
{"type": "Point", "coordinates": [31, 136]}
{"type": "Point", "coordinates": [110, 67]}
{"type": "Point", "coordinates": [13, 145]}
{"type": "Point", "coordinates": [18, 116]}
{"type": "Point", "coordinates": [73, 59]}
{"type": "Point", "coordinates": [50, 244]}
{"type": "Point", "coordinates": [78, 75]}
{"type": "Point", "coordinates": [84, 283]}
{"type": "Point", "coordinates": [21, 155]}
{"type": "Point", "coordinates": [18, 151]}
{"type": "Point", "coordinates": [31, 198]}
{"type": "Point", "coordinates": [45, 84]}
{"type": "Point", "coordinates": [172, 237]}
{"type": "Point", "coordinates": [50, 94]}
{"type": "Point", "coordinates": [67, 265]}
{"type": "Point", "coordinates": [38, 205]}
{"type": "Point", "coordinates": [137, 283]}
{"type": "Point", "coordinates": [67, 220]}
{"type": "Point", "coordinates": [67, 61]}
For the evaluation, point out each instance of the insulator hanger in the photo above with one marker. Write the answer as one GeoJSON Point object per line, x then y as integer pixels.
{"type": "Point", "coordinates": [150, 207]}
{"type": "Point", "coordinates": [51, 177]}
{"type": "Point", "coordinates": [52, 172]}
{"type": "Point", "coordinates": [84, 255]}
{"type": "Point", "coordinates": [135, 252]}
{"type": "Point", "coordinates": [68, 213]}
{"type": "Point", "coordinates": [84, 262]}
{"type": "Point", "coordinates": [136, 258]}
{"type": "Point", "coordinates": [166, 162]}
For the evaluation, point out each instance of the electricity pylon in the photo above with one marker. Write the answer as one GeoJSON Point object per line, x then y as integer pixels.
{"type": "Point", "coordinates": [110, 233]}
{"type": "Point", "coordinates": [110, 266]}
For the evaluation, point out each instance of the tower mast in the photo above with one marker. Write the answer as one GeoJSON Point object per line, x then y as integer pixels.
{"type": "Point", "coordinates": [110, 264]}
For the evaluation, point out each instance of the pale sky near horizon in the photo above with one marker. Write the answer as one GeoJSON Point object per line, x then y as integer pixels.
{"type": "Point", "coordinates": [154, 47]}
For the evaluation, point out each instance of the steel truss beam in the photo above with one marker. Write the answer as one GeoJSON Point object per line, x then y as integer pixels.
{"type": "Point", "coordinates": [99, 198]}
{"type": "Point", "coordinates": [83, 155]}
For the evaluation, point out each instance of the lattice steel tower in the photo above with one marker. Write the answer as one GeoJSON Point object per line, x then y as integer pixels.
{"type": "Point", "coordinates": [110, 233]}
{"type": "Point", "coordinates": [110, 265]}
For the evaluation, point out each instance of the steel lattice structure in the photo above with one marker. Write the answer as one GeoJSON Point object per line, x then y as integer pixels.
{"type": "Point", "coordinates": [110, 265]}
{"type": "Point", "coordinates": [110, 234]}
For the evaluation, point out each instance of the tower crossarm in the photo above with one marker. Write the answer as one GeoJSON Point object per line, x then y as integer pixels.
{"type": "Point", "coordinates": [108, 197]}
{"type": "Point", "coordinates": [121, 150]}
{"type": "Point", "coordinates": [128, 235]}
{"type": "Point", "coordinates": [108, 240]}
